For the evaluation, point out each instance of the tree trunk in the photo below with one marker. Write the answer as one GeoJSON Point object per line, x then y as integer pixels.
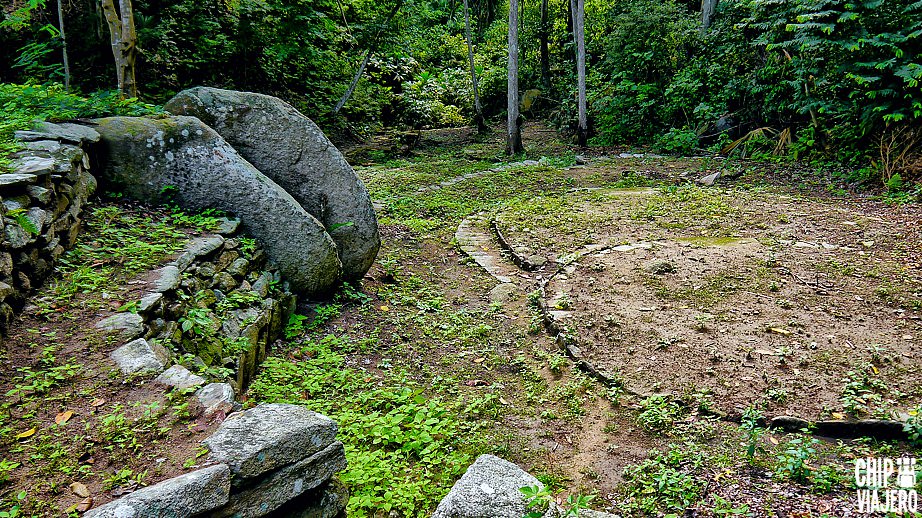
{"type": "Point", "coordinates": [707, 13]}
{"type": "Point", "coordinates": [368, 52]}
{"type": "Point", "coordinates": [355, 81]}
{"type": "Point", "coordinates": [478, 110]}
{"type": "Point", "coordinates": [64, 46]}
{"type": "Point", "coordinates": [580, 25]}
{"type": "Point", "coordinates": [545, 53]}
{"type": "Point", "coordinates": [124, 45]}
{"type": "Point", "coordinates": [513, 131]}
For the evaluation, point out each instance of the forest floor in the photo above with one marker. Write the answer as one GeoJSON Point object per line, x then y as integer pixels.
{"type": "Point", "coordinates": [705, 307]}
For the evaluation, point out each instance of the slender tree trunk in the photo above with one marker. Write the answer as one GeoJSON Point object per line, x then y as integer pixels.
{"type": "Point", "coordinates": [478, 110]}
{"type": "Point", "coordinates": [513, 131]}
{"type": "Point", "coordinates": [707, 14]}
{"type": "Point", "coordinates": [355, 81]}
{"type": "Point", "coordinates": [580, 26]}
{"type": "Point", "coordinates": [368, 52]}
{"type": "Point", "coordinates": [124, 45]}
{"type": "Point", "coordinates": [545, 53]}
{"type": "Point", "coordinates": [64, 46]}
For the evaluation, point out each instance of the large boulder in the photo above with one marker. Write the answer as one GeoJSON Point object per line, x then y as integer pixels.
{"type": "Point", "coordinates": [289, 148]}
{"type": "Point", "coordinates": [147, 157]}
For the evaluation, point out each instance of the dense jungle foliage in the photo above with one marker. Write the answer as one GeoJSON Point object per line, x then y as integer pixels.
{"type": "Point", "coordinates": [828, 80]}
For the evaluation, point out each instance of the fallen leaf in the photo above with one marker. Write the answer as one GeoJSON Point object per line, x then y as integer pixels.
{"type": "Point", "coordinates": [63, 417]}
{"type": "Point", "coordinates": [773, 440]}
{"type": "Point", "coordinates": [97, 402]}
{"type": "Point", "coordinates": [384, 309]}
{"type": "Point", "coordinates": [503, 401]}
{"type": "Point", "coordinates": [479, 360]}
{"type": "Point", "coordinates": [85, 504]}
{"type": "Point", "coordinates": [28, 433]}
{"type": "Point", "coordinates": [780, 331]}
{"type": "Point", "coordinates": [837, 415]}
{"type": "Point", "coordinates": [874, 370]}
{"type": "Point", "coordinates": [79, 489]}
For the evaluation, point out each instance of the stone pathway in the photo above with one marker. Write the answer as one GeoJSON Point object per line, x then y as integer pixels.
{"type": "Point", "coordinates": [476, 241]}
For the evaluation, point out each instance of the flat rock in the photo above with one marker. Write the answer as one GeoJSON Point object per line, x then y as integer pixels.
{"type": "Point", "coordinates": [291, 150]}
{"type": "Point", "coordinates": [503, 292]}
{"type": "Point", "coordinates": [166, 279]}
{"type": "Point", "coordinates": [199, 247]}
{"type": "Point", "coordinates": [275, 489]}
{"type": "Point", "coordinates": [17, 179]}
{"type": "Point", "coordinates": [179, 497]}
{"type": "Point", "coordinates": [180, 378]}
{"type": "Point", "coordinates": [39, 166]}
{"type": "Point", "coordinates": [127, 325]}
{"type": "Point", "coordinates": [149, 302]}
{"type": "Point", "coordinates": [63, 132]}
{"type": "Point", "coordinates": [216, 397]}
{"type": "Point", "coordinates": [709, 180]}
{"type": "Point", "coordinates": [141, 357]}
{"type": "Point", "coordinates": [488, 489]}
{"type": "Point", "coordinates": [144, 156]}
{"type": "Point", "coordinates": [267, 437]}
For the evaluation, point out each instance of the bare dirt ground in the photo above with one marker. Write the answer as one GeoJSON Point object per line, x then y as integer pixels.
{"type": "Point", "coordinates": [808, 305]}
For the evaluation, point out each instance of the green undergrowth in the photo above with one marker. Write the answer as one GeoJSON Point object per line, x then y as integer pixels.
{"type": "Point", "coordinates": [405, 447]}
{"type": "Point", "coordinates": [443, 209]}
{"type": "Point", "coordinates": [21, 105]}
{"type": "Point", "coordinates": [116, 243]}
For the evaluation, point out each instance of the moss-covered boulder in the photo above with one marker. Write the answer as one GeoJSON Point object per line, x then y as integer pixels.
{"type": "Point", "coordinates": [289, 148]}
{"type": "Point", "coordinates": [146, 158]}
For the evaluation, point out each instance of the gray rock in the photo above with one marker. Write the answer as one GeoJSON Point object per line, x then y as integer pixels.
{"type": "Point", "coordinates": [5, 290]}
{"type": "Point", "coordinates": [145, 156]}
{"type": "Point", "coordinates": [224, 281]}
{"type": "Point", "coordinates": [199, 247]}
{"type": "Point", "coordinates": [141, 357]}
{"type": "Point", "coordinates": [503, 292]}
{"type": "Point", "coordinates": [179, 497]}
{"type": "Point", "coordinates": [180, 378]}
{"type": "Point", "coordinates": [35, 165]}
{"type": "Point", "coordinates": [40, 194]}
{"type": "Point", "coordinates": [16, 236]}
{"type": "Point", "coordinates": [238, 267]}
{"type": "Point", "coordinates": [216, 397]}
{"type": "Point", "coordinates": [267, 437]}
{"type": "Point", "coordinates": [537, 261]}
{"type": "Point", "coordinates": [150, 302]}
{"type": "Point", "coordinates": [16, 179]}
{"type": "Point", "coordinates": [262, 284]}
{"type": "Point", "coordinates": [166, 279]}
{"type": "Point", "coordinates": [276, 489]}
{"type": "Point", "coordinates": [16, 202]}
{"type": "Point", "coordinates": [127, 325]}
{"type": "Point", "coordinates": [228, 227]}
{"type": "Point", "coordinates": [64, 132]}
{"type": "Point", "coordinates": [488, 489]}
{"type": "Point", "coordinates": [709, 180]}
{"type": "Point", "coordinates": [660, 267]}
{"type": "Point", "coordinates": [38, 217]}
{"type": "Point", "coordinates": [289, 148]}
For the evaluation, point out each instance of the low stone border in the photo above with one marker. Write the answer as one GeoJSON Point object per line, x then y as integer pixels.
{"type": "Point", "coordinates": [265, 458]}
{"type": "Point", "coordinates": [215, 301]}
{"type": "Point", "coordinates": [41, 202]}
